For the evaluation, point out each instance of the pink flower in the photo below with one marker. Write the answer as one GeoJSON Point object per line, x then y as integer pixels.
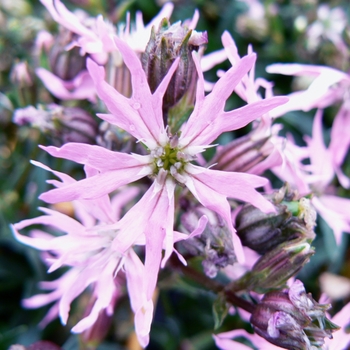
{"type": "Point", "coordinates": [91, 260]}
{"type": "Point", "coordinates": [317, 176]}
{"type": "Point", "coordinates": [98, 249]}
{"type": "Point", "coordinates": [170, 156]}
{"type": "Point", "coordinates": [92, 37]}
{"type": "Point", "coordinates": [86, 247]}
{"type": "Point", "coordinates": [328, 86]}
{"type": "Point", "coordinates": [93, 263]}
{"type": "Point", "coordinates": [91, 32]}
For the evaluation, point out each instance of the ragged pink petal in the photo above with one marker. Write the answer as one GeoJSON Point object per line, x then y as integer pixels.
{"type": "Point", "coordinates": [80, 88]}
{"type": "Point", "coordinates": [206, 108]}
{"type": "Point", "coordinates": [96, 157]}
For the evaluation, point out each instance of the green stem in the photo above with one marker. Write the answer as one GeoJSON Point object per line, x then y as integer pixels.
{"type": "Point", "coordinates": [213, 285]}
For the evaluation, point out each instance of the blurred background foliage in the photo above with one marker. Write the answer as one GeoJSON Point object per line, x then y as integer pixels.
{"type": "Point", "coordinates": [278, 31]}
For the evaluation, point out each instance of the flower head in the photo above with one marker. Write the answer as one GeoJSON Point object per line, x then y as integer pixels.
{"type": "Point", "coordinates": [170, 157]}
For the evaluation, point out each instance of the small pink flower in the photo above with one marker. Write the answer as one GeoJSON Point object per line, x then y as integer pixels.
{"type": "Point", "coordinates": [91, 32]}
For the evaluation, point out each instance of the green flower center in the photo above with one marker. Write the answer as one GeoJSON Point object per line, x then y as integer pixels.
{"type": "Point", "coordinates": [171, 159]}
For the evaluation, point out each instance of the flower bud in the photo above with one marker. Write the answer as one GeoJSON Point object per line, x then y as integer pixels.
{"type": "Point", "coordinates": [165, 45]}
{"type": "Point", "coordinates": [117, 74]}
{"type": "Point", "coordinates": [65, 63]}
{"type": "Point", "coordinates": [115, 139]}
{"type": "Point", "coordinates": [22, 77]}
{"type": "Point", "coordinates": [294, 218]}
{"type": "Point", "coordinates": [62, 124]}
{"type": "Point", "coordinates": [273, 270]}
{"type": "Point", "coordinates": [94, 335]}
{"type": "Point", "coordinates": [292, 319]}
{"type": "Point", "coordinates": [243, 153]}
{"type": "Point", "coordinates": [283, 262]}
{"type": "Point", "coordinates": [214, 244]}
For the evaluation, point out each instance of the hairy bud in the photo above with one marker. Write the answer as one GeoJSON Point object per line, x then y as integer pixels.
{"type": "Point", "coordinates": [273, 270]}
{"type": "Point", "coordinates": [165, 45]}
{"type": "Point", "coordinates": [243, 153]}
{"type": "Point", "coordinates": [292, 319]}
{"type": "Point", "coordinates": [294, 218]}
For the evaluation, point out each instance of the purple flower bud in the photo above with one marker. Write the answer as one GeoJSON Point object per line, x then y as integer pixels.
{"type": "Point", "coordinates": [165, 45]}
{"type": "Point", "coordinates": [62, 124]}
{"type": "Point", "coordinates": [294, 218]}
{"type": "Point", "coordinates": [66, 64]}
{"type": "Point", "coordinates": [243, 153]}
{"type": "Point", "coordinates": [214, 244]}
{"type": "Point", "coordinates": [117, 74]}
{"type": "Point", "coordinates": [273, 270]}
{"type": "Point", "coordinates": [292, 319]}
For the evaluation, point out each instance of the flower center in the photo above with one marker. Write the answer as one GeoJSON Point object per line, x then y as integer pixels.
{"type": "Point", "coordinates": [171, 159]}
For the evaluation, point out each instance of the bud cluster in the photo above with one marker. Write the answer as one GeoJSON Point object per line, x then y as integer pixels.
{"type": "Point", "coordinates": [283, 239]}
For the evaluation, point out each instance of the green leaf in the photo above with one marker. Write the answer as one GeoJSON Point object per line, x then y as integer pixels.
{"type": "Point", "coordinates": [220, 310]}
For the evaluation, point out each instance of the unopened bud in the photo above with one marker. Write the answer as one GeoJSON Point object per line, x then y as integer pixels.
{"type": "Point", "coordinates": [292, 319]}
{"type": "Point", "coordinates": [22, 77]}
{"type": "Point", "coordinates": [165, 45]}
{"type": "Point", "coordinates": [294, 218]}
{"type": "Point", "coordinates": [64, 63]}
{"type": "Point", "coordinates": [93, 336]}
{"type": "Point", "coordinates": [214, 244]}
{"type": "Point", "coordinates": [243, 153]}
{"type": "Point", "coordinates": [62, 124]}
{"type": "Point", "coordinates": [117, 74]}
{"type": "Point", "coordinates": [273, 270]}
{"type": "Point", "coordinates": [115, 139]}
